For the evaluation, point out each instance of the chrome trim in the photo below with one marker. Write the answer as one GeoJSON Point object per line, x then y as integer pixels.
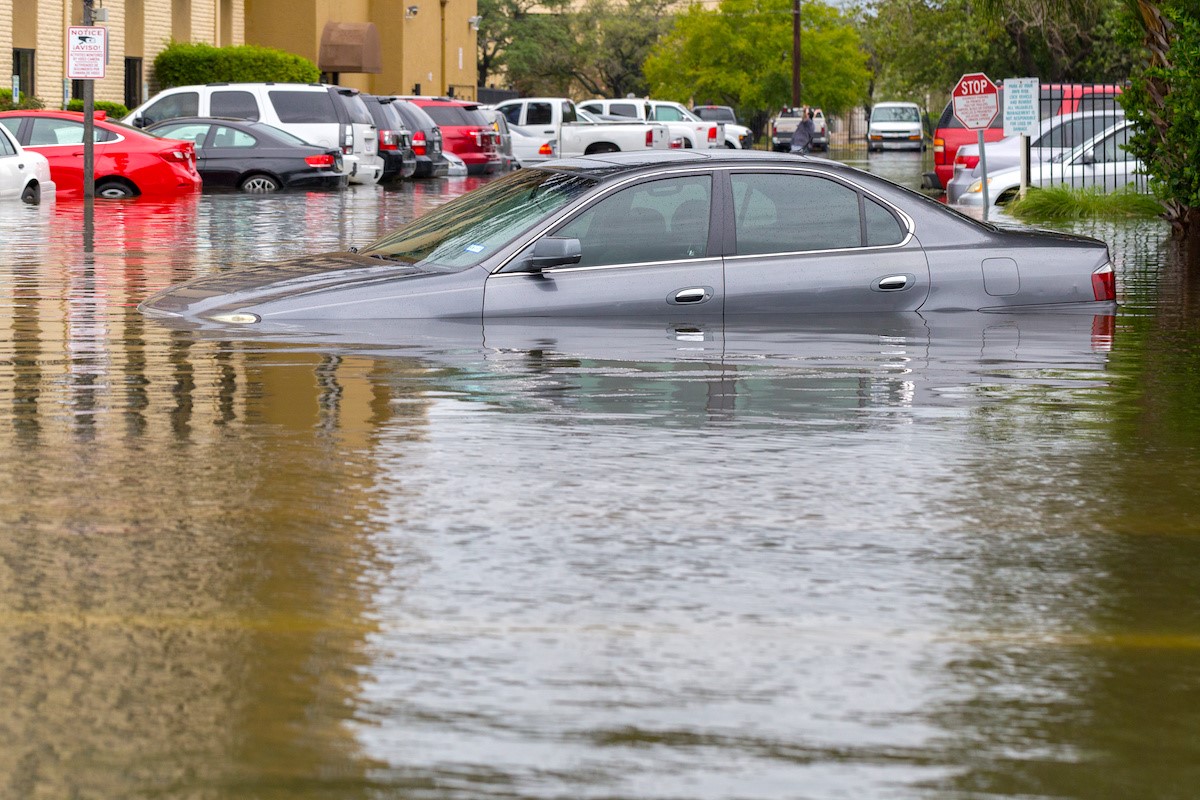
{"type": "Point", "coordinates": [678, 169]}
{"type": "Point", "coordinates": [552, 271]}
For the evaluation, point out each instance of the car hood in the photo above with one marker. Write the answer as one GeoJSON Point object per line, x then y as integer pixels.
{"type": "Point", "coordinates": [246, 286]}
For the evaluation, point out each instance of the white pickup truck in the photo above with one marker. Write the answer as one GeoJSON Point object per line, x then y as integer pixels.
{"type": "Point", "coordinates": [556, 117]}
{"type": "Point", "coordinates": [686, 129]}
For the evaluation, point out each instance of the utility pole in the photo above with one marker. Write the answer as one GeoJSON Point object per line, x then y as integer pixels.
{"type": "Point", "coordinates": [89, 122]}
{"type": "Point", "coordinates": [795, 53]}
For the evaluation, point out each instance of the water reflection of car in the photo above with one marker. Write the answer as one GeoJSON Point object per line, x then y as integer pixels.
{"type": "Point", "coordinates": [24, 174]}
{"type": "Point", "coordinates": [693, 234]}
{"type": "Point", "coordinates": [128, 162]}
{"type": "Point", "coordinates": [1101, 163]}
{"type": "Point", "coordinates": [895, 126]}
{"type": "Point", "coordinates": [1055, 136]}
{"type": "Point", "coordinates": [254, 156]}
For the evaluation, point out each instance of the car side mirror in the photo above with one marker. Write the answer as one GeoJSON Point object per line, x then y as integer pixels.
{"type": "Point", "coordinates": [138, 122]}
{"type": "Point", "coordinates": [550, 252]}
{"type": "Point", "coordinates": [1088, 157]}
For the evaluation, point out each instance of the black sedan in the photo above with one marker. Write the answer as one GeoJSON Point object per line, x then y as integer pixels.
{"type": "Point", "coordinates": [254, 156]}
{"type": "Point", "coordinates": [686, 234]}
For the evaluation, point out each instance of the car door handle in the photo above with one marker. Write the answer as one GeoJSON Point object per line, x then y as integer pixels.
{"type": "Point", "coordinates": [893, 283]}
{"type": "Point", "coordinates": [691, 296]}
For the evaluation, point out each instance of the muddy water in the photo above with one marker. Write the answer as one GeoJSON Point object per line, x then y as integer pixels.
{"type": "Point", "coordinates": [899, 557]}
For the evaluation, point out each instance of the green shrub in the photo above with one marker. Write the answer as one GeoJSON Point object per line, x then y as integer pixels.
{"type": "Point", "coordinates": [27, 101]}
{"type": "Point", "coordinates": [114, 110]}
{"type": "Point", "coordinates": [1062, 202]}
{"type": "Point", "coordinates": [188, 64]}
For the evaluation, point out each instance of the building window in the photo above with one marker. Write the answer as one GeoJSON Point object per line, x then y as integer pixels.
{"type": "Point", "coordinates": [133, 82]}
{"type": "Point", "coordinates": [23, 66]}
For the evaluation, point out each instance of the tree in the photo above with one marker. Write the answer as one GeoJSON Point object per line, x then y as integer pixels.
{"type": "Point", "coordinates": [741, 55]}
{"type": "Point", "coordinates": [505, 22]}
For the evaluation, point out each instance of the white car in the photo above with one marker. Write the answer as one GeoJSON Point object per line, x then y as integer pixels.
{"type": "Point", "coordinates": [530, 147]}
{"type": "Point", "coordinates": [895, 126]}
{"type": "Point", "coordinates": [24, 174]}
{"type": "Point", "coordinates": [1101, 162]}
{"type": "Point", "coordinates": [1056, 136]}
{"type": "Point", "coordinates": [737, 137]}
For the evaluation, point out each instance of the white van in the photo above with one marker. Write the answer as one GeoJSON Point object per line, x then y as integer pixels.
{"type": "Point", "coordinates": [329, 116]}
{"type": "Point", "coordinates": [895, 126]}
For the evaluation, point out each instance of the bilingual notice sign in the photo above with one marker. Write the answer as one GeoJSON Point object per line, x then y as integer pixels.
{"type": "Point", "coordinates": [86, 49]}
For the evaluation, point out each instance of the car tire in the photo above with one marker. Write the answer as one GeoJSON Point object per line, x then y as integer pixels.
{"type": "Point", "coordinates": [114, 190]}
{"type": "Point", "coordinates": [596, 149]}
{"type": "Point", "coordinates": [32, 194]}
{"type": "Point", "coordinates": [730, 146]}
{"type": "Point", "coordinates": [259, 183]}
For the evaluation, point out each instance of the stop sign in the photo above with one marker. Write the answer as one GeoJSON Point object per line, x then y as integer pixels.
{"type": "Point", "coordinates": [975, 100]}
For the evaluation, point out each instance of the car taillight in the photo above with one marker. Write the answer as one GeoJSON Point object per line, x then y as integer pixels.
{"type": "Point", "coordinates": [1104, 283]}
{"type": "Point", "coordinates": [649, 138]}
{"type": "Point", "coordinates": [348, 140]}
{"type": "Point", "coordinates": [712, 134]}
{"type": "Point", "coordinates": [676, 144]}
{"type": "Point", "coordinates": [939, 145]}
{"type": "Point", "coordinates": [419, 143]}
{"type": "Point", "coordinates": [186, 156]}
{"type": "Point", "coordinates": [546, 150]}
{"type": "Point", "coordinates": [324, 160]}
{"type": "Point", "coordinates": [389, 140]}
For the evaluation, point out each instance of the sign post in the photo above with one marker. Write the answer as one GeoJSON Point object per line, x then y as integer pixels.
{"type": "Point", "coordinates": [976, 101]}
{"type": "Point", "coordinates": [1022, 116]}
{"type": "Point", "coordinates": [86, 49]}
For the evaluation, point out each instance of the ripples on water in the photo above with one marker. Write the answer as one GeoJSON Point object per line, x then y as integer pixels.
{"type": "Point", "coordinates": [901, 557]}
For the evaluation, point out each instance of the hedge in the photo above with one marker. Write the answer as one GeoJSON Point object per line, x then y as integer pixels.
{"type": "Point", "coordinates": [113, 110]}
{"type": "Point", "coordinates": [189, 64]}
{"type": "Point", "coordinates": [27, 101]}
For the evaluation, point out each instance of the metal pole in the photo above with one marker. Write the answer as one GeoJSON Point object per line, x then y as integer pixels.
{"type": "Point", "coordinates": [89, 124]}
{"type": "Point", "coordinates": [795, 53]}
{"type": "Point", "coordinates": [983, 175]}
{"type": "Point", "coordinates": [1024, 164]}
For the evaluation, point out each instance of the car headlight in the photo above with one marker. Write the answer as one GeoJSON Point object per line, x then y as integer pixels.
{"type": "Point", "coordinates": [237, 318]}
{"type": "Point", "coordinates": [977, 186]}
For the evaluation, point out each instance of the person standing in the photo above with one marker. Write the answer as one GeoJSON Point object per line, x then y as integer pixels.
{"type": "Point", "coordinates": [805, 131]}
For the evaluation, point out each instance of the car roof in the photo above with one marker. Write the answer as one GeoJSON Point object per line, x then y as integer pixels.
{"type": "Point", "coordinates": [610, 165]}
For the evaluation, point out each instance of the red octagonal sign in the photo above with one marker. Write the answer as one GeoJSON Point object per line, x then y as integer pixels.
{"type": "Point", "coordinates": [975, 100]}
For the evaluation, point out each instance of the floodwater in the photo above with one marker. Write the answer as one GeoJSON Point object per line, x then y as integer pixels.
{"type": "Point", "coordinates": [862, 558]}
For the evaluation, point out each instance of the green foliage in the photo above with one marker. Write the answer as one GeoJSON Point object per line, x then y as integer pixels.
{"type": "Point", "coordinates": [505, 24]}
{"type": "Point", "coordinates": [1061, 202]}
{"type": "Point", "coordinates": [1164, 101]}
{"type": "Point", "coordinates": [113, 110]}
{"type": "Point", "coordinates": [741, 55]}
{"type": "Point", "coordinates": [27, 101]}
{"type": "Point", "coordinates": [183, 64]}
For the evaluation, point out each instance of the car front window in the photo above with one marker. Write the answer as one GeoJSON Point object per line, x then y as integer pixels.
{"type": "Point", "coordinates": [465, 231]}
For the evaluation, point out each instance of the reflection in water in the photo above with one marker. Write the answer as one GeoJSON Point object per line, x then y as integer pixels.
{"type": "Point", "coordinates": [938, 556]}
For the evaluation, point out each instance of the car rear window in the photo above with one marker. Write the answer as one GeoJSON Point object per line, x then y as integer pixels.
{"type": "Point", "coordinates": [241, 105]}
{"type": "Point", "coordinates": [359, 114]}
{"type": "Point", "coordinates": [715, 114]}
{"type": "Point", "coordinates": [455, 115]}
{"type": "Point", "coordinates": [296, 106]}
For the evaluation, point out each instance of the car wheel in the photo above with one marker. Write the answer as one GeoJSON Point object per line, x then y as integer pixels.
{"type": "Point", "coordinates": [32, 194]}
{"type": "Point", "coordinates": [114, 190]}
{"type": "Point", "coordinates": [602, 148]}
{"type": "Point", "coordinates": [730, 146]}
{"type": "Point", "coordinates": [259, 183]}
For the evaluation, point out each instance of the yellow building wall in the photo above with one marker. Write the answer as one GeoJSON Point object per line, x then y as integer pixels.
{"type": "Point", "coordinates": [6, 35]}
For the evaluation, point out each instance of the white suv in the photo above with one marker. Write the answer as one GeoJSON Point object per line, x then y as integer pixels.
{"type": "Point", "coordinates": [329, 116]}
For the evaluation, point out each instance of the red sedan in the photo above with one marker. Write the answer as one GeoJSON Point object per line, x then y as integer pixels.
{"type": "Point", "coordinates": [466, 132]}
{"type": "Point", "coordinates": [128, 161]}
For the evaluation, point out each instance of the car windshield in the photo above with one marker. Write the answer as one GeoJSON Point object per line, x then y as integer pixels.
{"type": "Point", "coordinates": [895, 114]}
{"type": "Point", "coordinates": [467, 230]}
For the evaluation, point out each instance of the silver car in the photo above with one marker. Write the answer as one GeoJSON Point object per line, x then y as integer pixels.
{"type": "Point", "coordinates": [1101, 162]}
{"type": "Point", "coordinates": [689, 234]}
{"type": "Point", "coordinates": [1056, 136]}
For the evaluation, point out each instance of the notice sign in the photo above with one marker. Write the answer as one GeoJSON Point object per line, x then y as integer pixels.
{"type": "Point", "coordinates": [1022, 109]}
{"type": "Point", "coordinates": [87, 49]}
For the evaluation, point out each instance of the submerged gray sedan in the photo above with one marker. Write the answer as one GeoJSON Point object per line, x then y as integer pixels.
{"type": "Point", "coordinates": [684, 234]}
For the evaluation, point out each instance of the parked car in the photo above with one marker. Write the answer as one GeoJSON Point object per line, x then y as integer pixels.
{"type": "Point", "coordinates": [895, 126]}
{"type": "Point", "coordinates": [504, 142]}
{"type": "Point", "coordinates": [24, 174]}
{"type": "Point", "coordinates": [699, 234]}
{"type": "Point", "coordinates": [426, 139]}
{"type": "Point", "coordinates": [1100, 163]}
{"type": "Point", "coordinates": [577, 131]}
{"type": "Point", "coordinates": [128, 162]}
{"type": "Point", "coordinates": [783, 126]}
{"type": "Point", "coordinates": [1056, 136]}
{"type": "Point", "coordinates": [531, 148]}
{"type": "Point", "coordinates": [254, 156]}
{"type": "Point", "coordinates": [395, 140]}
{"type": "Point", "coordinates": [737, 135]}
{"type": "Point", "coordinates": [329, 116]}
{"type": "Point", "coordinates": [1055, 99]}
{"type": "Point", "coordinates": [466, 132]}
{"type": "Point", "coordinates": [684, 129]}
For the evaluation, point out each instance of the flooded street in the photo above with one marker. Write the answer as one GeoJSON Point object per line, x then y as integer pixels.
{"type": "Point", "coordinates": [944, 556]}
